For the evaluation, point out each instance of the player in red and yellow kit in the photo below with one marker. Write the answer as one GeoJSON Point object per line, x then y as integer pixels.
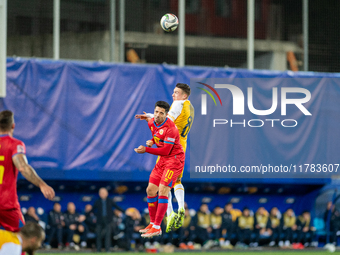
{"type": "Point", "coordinates": [167, 169]}
{"type": "Point", "coordinates": [182, 114]}
{"type": "Point", "coordinates": [27, 240]}
{"type": "Point", "coordinates": [12, 160]}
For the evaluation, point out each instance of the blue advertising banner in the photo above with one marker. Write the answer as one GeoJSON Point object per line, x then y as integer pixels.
{"type": "Point", "coordinates": [265, 128]}
{"type": "Point", "coordinates": [77, 118]}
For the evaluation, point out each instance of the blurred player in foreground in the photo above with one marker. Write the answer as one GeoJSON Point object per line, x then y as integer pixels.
{"type": "Point", "coordinates": [12, 159]}
{"type": "Point", "coordinates": [167, 169]}
{"type": "Point", "coordinates": [182, 114]}
{"type": "Point", "coordinates": [28, 239]}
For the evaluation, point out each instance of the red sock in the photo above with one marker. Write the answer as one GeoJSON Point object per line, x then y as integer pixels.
{"type": "Point", "coordinates": [161, 209]}
{"type": "Point", "coordinates": [152, 205]}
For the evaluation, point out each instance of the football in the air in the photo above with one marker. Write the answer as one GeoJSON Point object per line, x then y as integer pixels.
{"type": "Point", "coordinates": [169, 22]}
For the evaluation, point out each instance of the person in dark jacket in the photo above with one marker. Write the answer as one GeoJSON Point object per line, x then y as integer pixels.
{"type": "Point", "coordinates": [333, 215]}
{"type": "Point", "coordinates": [133, 223]}
{"type": "Point", "coordinates": [102, 209]}
{"type": "Point", "coordinates": [31, 215]}
{"type": "Point", "coordinates": [56, 223]}
{"type": "Point", "coordinates": [74, 225]}
{"type": "Point", "coordinates": [216, 222]}
{"type": "Point", "coordinates": [228, 226]}
{"type": "Point", "coordinates": [305, 229]}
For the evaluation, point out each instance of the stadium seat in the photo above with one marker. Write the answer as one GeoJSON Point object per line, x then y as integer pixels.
{"type": "Point", "coordinates": [320, 227]}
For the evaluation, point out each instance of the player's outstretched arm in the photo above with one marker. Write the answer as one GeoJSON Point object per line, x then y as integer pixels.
{"type": "Point", "coordinates": [162, 151]}
{"type": "Point", "coordinates": [20, 162]}
{"type": "Point", "coordinates": [140, 149]}
{"type": "Point", "coordinates": [143, 117]}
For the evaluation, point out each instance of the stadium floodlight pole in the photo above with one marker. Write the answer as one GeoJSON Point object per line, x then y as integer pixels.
{"type": "Point", "coordinates": [56, 29]}
{"type": "Point", "coordinates": [251, 33]}
{"type": "Point", "coordinates": [121, 30]}
{"type": "Point", "coordinates": [305, 34]}
{"type": "Point", "coordinates": [3, 46]}
{"type": "Point", "coordinates": [112, 30]}
{"type": "Point", "coordinates": [181, 33]}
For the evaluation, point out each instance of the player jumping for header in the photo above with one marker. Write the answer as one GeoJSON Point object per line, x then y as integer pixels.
{"type": "Point", "coordinates": [167, 169]}
{"type": "Point", "coordinates": [182, 114]}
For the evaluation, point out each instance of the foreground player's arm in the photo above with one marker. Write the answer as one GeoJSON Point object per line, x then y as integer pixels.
{"type": "Point", "coordinates": [144, 116]}
{"type": "Point", "coordinates": [162, 151]}
{"type": "Point", "coordinates": [20, 162]}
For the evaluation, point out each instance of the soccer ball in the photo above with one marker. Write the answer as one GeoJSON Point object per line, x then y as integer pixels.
{"type": "Point", "coordinates": [169, 22]}
{"type": "Point", "coordinates": [330, 247]}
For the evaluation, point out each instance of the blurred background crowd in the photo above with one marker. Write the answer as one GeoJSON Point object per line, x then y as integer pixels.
{"type": "Point", "coordinates": [225, 227]}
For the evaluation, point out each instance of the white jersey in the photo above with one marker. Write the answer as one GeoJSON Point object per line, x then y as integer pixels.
{"type": "Point", "coordinates": [10, 243]}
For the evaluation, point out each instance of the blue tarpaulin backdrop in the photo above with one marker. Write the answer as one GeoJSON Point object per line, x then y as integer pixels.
{"type": "Point", "coordinates": [77, 118]}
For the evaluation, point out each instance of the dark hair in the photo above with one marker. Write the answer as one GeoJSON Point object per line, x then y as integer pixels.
{"type": "Point", "coordinates": [32, 229]}
{"type": "Point", "coordinates": [185, 87]}
{"type": "Point", "coordinates": [6, 120]}
{"type": "Point", "coordinates": [164, 105]}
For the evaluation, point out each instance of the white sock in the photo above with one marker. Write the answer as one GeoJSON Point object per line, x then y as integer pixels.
{"type": "Point", "coordinates": [170, 208]}
{"type": "Point", "coordinates": [179, 194]}
{"type": "Point", "coordinates": [156, 226]}
{"type": "Point", "coordinates": [152, 223]}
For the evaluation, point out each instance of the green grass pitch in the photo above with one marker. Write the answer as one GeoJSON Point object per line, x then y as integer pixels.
{"type": "Point", "coordinates": [285, 252]}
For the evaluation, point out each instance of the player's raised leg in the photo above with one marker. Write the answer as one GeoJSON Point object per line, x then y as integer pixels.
{"type": "Point", "coordinates": [171, 215]}
{"type": "Point", "coordinates": [179, 194]}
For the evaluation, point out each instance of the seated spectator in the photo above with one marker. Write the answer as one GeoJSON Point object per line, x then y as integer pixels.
{"type": "Point", "coordinates": [288, 228]}
{"type": "Point", "coordinates": [145, 222]}
{"type": "Point", "coordinates": [117, 226]}
{"type": "Point", "coordinates": [274, 225]}
{"type": "Point", "coordinates": [216, 223]}
{"type": "Point", "coordinates": [56, 223]}
{"type": "Point", "coordinates": [90, 219]}
{"type": "Point", "coordinates": [245, 227]}
{"type": "Point", "coordinates": [261, 225]}
{"type": "Point", "coordinates": [305, 230]}
{"type": "Point", "coordinates": [145, 217]}
{"type": "Point", "coordinates": [133, 223]}
{"type": "Point", "coordinates": [185, 233]}
{"type": "Point", "coordinates": [31, 215]}
{"type": "Point", "coordinates": [74, 226]}
{"type": "Point", "coordinates": [228, 226]}
{"type": "Point", "coordinates": [202, 226]}
{"type": "Point", "coordinates": [235, 213]}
